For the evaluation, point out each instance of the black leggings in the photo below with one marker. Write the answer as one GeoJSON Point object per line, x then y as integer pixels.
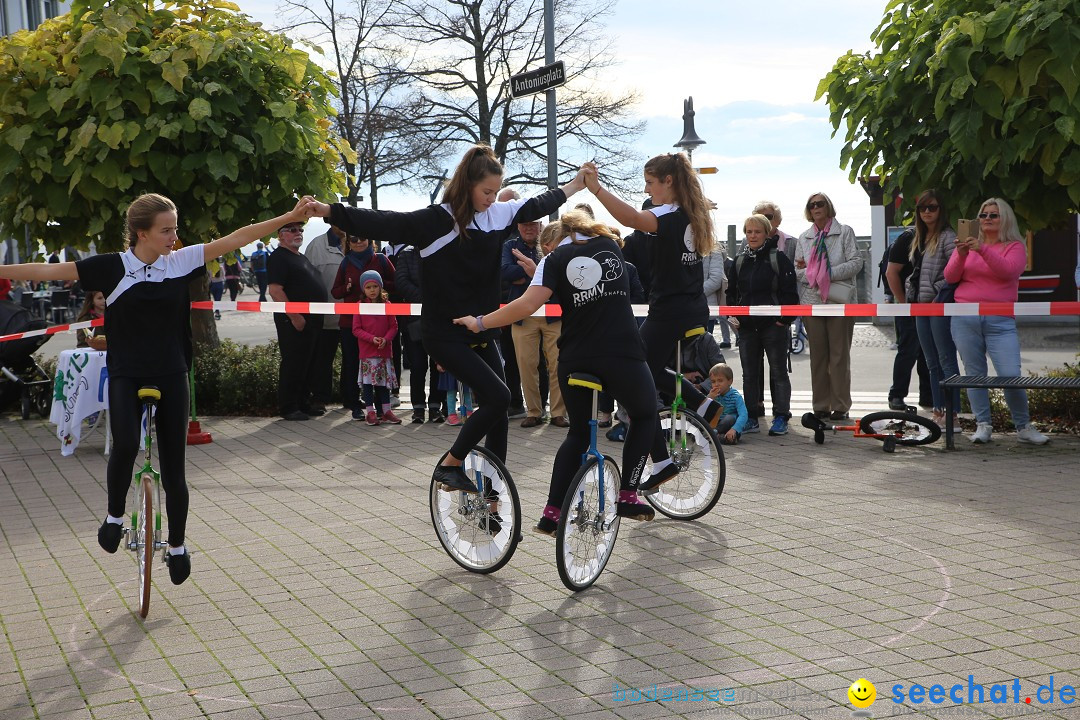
{"type": "Point", "coordinates": [629, 382]}
{"type": "Point", "coordinates": [481, 368]}
{"type": "Point", "coordinates": [125, 421]}
{"type": "Point", "coordinates": [660, 338]}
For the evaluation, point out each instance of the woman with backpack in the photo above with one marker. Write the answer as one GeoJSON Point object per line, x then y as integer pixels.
{"type": "Point", "coordinates": [763, 275]}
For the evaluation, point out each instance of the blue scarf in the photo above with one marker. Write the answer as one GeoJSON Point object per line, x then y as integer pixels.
{"type": "Point", "coordinates": [360, 260]}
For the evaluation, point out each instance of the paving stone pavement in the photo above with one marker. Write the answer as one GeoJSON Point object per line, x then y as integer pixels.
{"type": "Point", "coordinates": [319, 589]}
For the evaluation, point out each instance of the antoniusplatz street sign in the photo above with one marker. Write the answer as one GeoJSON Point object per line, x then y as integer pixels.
{"type": "Point", "coordinates": [538, 80]}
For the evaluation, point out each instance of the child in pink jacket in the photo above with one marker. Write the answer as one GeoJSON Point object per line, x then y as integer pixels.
{"type": "Point", "coordinates": [373, 334]}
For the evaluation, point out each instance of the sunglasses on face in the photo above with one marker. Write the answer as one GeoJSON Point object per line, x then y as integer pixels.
{"type": "Point", "coordinates": [929, 208]}
{"type": "Point", "coordinates": [989, 216]}
{"type": "Point", "coordinates": [768, 216]}
{"type": "Point", "coordinates": [814, 205]}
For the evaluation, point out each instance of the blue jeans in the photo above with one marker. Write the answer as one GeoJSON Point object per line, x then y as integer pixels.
{"type": "Point", "coordinates": [977, 337]}
{"type": "Point", "coordinates": [935, 337]}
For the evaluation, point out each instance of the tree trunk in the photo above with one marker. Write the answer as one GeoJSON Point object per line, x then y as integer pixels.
{"type": "Point", "coordinates": [203, 328]}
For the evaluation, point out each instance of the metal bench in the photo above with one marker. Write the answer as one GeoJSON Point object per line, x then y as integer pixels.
{"type": "Point", "coordinates": [1031, 382]}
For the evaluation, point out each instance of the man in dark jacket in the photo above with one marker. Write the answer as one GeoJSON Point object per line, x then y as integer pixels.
{"type": "Point", "coordinates": [421, 367]}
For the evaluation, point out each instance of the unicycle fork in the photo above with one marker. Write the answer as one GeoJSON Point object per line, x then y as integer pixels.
{"type": "Point", "coordinates": [144, 535]}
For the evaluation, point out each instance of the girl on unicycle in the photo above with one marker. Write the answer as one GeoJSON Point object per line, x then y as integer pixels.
{"type": "Point", "coordinates": [587, 275]}
{"type": "Point", "coordinates": [681, 234]}
{"type": "Point", "coordinates": [460, 244]}
{"type": "Point", "coordinates": [149, 332]}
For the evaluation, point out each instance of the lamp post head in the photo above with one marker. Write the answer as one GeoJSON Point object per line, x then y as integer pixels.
{"type": "Point", "coordinates": [689, 139]}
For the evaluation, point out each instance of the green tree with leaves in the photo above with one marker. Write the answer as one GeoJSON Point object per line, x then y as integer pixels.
{"type": "Point", "coordinates": [190, 99]}
{"type": "Point", "coordinates": [978, 98]}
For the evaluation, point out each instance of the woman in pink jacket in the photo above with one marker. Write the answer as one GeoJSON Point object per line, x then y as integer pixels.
{"type": "Point", "coordinates": [373, 335]}
{"type": "Point", "coordinates": [987, 268]}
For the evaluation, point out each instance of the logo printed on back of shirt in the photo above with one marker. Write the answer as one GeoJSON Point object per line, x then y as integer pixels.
{"type": "Point", "coordinates": [690, 257]}
{"type": "Point", "coordinates": [589, 274]}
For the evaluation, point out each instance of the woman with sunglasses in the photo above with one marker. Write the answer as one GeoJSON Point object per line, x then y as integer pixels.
{"type": "Point", "coordinates": [826, 265]}
{"type": "Point", "coordinates": [931, 248]}
{"type": "Point", "coordinates": [987, 268]}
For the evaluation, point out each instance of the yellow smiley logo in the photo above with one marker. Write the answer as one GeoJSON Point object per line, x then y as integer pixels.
{"type": "Point", "coordinates": [862, 693]}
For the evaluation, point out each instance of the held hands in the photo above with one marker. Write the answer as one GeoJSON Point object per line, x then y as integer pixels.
{"type": "Point", "coordinates": [378, 341]}
{"type": "Point", "coordinates": [309, 207]}
{"type": "Point", "coordinates": [468, 321]}
{"type": "Point", "coordinates": [591, 176]}
{"type": "Point", "coordinates": [575, 186]}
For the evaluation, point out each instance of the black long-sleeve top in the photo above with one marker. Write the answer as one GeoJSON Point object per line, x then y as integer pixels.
{"type": "Point", "coordinates": [462, 276]}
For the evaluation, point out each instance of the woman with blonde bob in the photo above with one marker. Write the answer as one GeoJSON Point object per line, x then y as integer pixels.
{"type": "Point", "coordinates": [587, 274]}
{"type": "Point", "coordinates": [987, 268]}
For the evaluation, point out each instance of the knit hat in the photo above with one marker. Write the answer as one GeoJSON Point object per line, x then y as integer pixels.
{"type": "Point", "coordinates": [370, 276]}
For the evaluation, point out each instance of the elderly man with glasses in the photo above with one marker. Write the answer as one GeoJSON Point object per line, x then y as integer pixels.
{"type": "Point", "coordinates": [292, 278]}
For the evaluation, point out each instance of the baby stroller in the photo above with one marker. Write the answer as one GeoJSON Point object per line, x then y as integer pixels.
{"type": "Point", "coordinates": [20, 376]}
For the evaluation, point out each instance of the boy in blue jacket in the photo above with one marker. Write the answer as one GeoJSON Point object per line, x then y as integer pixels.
{"type": "Point", "coordinates": [733, 413]}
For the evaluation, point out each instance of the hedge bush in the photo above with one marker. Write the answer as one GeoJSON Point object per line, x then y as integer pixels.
{"type": "Point", "coordinates": [234, 379]}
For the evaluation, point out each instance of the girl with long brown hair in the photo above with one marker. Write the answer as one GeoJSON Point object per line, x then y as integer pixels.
{"type": "Point", "coordinates": [460, 243]}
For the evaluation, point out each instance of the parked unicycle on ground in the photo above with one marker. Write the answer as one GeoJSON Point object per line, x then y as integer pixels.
{"type": "Point", "coordinates": [588, 524]}
{"type": "Point", "coordinates": [480, 531]}
{"type": "Point", "coordinates": [695, 448]}
{"type": "Point", "coordinates": [891, 427]}
{"type": "Point", "coordinates": [144, 534]}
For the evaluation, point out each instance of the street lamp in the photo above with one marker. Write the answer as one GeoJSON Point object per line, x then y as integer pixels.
{"type": "Point", "coordinates": [689, 139]}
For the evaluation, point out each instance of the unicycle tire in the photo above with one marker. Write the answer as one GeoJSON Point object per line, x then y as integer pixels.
{"type": "Point", "coordinates": [902, 427]}
{"type": "Point", "coordinates": [464, 522]}
{"type": "Point", "coordinates": [586, 535]}
{"type": "Point", "coordinates": [702, 470]}
{"type": "Point", "coordinates": [143, 529]}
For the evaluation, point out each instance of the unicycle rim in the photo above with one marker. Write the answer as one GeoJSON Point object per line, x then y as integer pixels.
{"type": "Point", "coordinates": [144, 543]}
{"type": "Point", "coordinates": [460, 519]}
{"type": "Point", "coordinates": [697, 488]}
{"type": "Point", "coordinates": [585, 539]}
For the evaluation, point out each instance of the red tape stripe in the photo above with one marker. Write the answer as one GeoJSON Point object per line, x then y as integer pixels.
{"type": "Point", "coordinates": [1009, 309]}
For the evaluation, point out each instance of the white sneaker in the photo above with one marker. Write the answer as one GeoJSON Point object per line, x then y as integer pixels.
{"type": "Point", "coordinates": [982, 433]}
{"type": "Point", "coordinates": [395, 401]}
{"type": "Point", "coordinates": [1032, 436]}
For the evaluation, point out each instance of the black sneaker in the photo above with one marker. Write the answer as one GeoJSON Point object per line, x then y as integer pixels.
{"type": "Point", "coordinates": [897, 404]}
{"type": "Point", "coordinates": [314, 410]}
{"type": "Point", "coordinates": [296, 415]}
{"type": "Point", "coordinates": [634, 510]}
{"type": "Point", "coordinates": [838, 415]}
{"type": "Point", "coordinates": [418, 418]}
{"type": "Point", "coordinates": [546, 526]}
{"type": "Point", "coordinates": [492, 523]}
{"type": "Point", "coordinates": [109, 535]}
{"type": "Point", "coordinates": [436, 418]}
{"type": "Point", "coordinates": [453, 479]}
{"type": "Point", "coordinates": [655, 480]}
{"type": "Point", "coordinates": [179, 566]}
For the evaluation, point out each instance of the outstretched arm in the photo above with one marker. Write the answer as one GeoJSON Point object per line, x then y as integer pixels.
{"type": "Point", "coordinates": [40, 272]}
{"type": "Point", "coordinates": [519, 309]}
{"type": "Point", "coordinates": [623, 212]}
{"type": "Point", "coordinates": [239, 238]}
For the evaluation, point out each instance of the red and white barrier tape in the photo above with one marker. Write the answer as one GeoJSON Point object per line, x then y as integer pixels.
{"type": "Point", "coordinates": [1011, 309]}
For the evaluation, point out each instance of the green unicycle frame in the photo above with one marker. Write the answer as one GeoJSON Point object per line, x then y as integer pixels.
{"type": "Point", "coordinates": [144, 534]}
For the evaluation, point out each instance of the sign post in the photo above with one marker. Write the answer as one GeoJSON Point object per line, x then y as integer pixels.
{"type": "Point", "coordinates": [542, 79]}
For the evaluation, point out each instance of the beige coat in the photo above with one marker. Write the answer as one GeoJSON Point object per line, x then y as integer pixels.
{"type": "Point", "coordinates": [844, 260]}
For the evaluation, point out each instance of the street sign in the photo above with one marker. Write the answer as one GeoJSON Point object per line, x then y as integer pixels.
{"type": "Point", "coordinates": [538, 80]}
{"type": "Point", "coordinates": [706, 171]}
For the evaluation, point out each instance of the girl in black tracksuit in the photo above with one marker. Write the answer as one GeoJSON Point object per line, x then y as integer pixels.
{"type": "Point", "coordinates": [587, 274]}
{"type": "Point", "coordinates": [460, 244]}
{"type": "Point", "coordinates": [149, 331]}
{"type": "Point", "coordinates": [681, 234]}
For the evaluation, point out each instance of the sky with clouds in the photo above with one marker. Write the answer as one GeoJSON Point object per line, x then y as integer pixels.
{"type": "Point", "coordinates": [752, 69]}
